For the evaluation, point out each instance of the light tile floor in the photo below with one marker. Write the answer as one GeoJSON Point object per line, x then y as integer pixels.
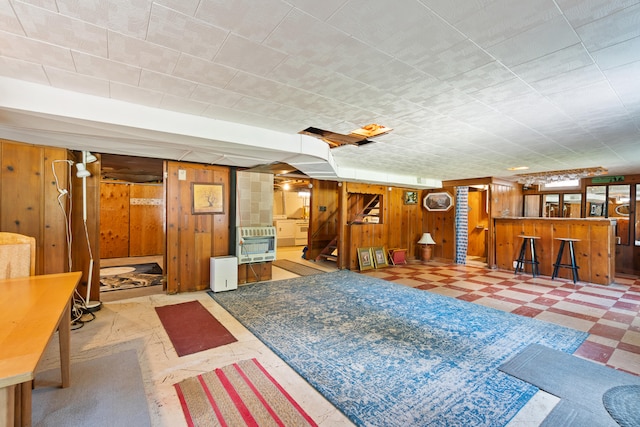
{"type": "Point", "coordinates": [610, 314]}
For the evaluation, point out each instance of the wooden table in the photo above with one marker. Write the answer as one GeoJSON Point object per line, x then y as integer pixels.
{"type": "Point", "coordinates": [31, 309]}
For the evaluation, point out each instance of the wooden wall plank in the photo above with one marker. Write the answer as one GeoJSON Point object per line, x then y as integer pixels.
{"type": "Point", "coordinates": [114, 220]}
{"type": "Point", "coordinates": [29, 201]}
{"type": "Point", "coordinates": [54, 243]}
{"type": "Point", "coordinates": [193, 238]}
{"type": "Point", "coordinates": [146, 224]}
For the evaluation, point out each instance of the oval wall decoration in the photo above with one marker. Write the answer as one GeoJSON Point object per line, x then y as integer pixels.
{"type": "Point", "coordinates": [438, 201]}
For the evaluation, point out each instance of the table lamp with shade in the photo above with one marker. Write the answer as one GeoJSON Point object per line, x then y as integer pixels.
{"type": "Point", "coordinates": [426, 241]}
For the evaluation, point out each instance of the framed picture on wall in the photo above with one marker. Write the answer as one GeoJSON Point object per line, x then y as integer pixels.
{"type": "Point", "coordinates": [365, 258]}
{"type": "Point", "coordinates": [207, 198]}
{"type": "Point", "coordinates": [380, 257]}
{"type": "Point", "coordinates": [410, 197]}
{"type": "Point", "coordinates": [438, 201]}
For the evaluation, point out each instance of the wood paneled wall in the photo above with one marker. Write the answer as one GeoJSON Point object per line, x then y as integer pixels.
{"type": "Point", "coordinates": [441, 225]}
{"type": "Point", "coordinates": [114, 220]}
{"type": "Point", "coordinates": [193, 239]}
{"type": "Point", "coordinates": [400, 225]}
{"type": "Point", "coordinates": [323, 216]}
{"type": "Point", "coordinates": [29, 200]}
{"type": "Point", "coordinates": [131, 219]}
{"type": "Point", "coordinates": [505, 199]}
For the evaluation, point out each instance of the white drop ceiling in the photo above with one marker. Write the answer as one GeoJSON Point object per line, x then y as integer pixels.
{"type": "Point", "coordinates": [470, 88]}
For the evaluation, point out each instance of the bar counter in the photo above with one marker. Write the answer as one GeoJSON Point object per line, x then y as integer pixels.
{"type": "Point", "coordinates": [595, 252]}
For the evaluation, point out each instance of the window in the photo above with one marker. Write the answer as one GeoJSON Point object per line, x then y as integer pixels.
{"type": "Point", "coordinates": [551, 203]}
{"type": "Point", "coordinates": [618, 209]}
{"type": "Point", "coordinates": [572, 205]}
{"type": "Point", "coordinates": [596, 198]}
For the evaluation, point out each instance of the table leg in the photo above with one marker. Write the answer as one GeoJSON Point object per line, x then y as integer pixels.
{"type": "Point", "coordinates": [25, 403]}
{"type": "Point", "coordinates": [7, 405]}
{"type": "Point", "coordinates": [64, 336]}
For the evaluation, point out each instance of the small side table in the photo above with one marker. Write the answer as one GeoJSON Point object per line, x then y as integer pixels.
{"type": "Point", "coordinates": [398, 256]}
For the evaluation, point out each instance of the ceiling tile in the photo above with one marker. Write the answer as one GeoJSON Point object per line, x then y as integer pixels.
{"type": "Point", "coordinates": [165, 83]}
{"type": "Point", "coordinates": [581, 12]}
{"type": "Point", "coordinates": [453, 61]}
{"type": "Point", "coordinates": [254, 20]}
{"type": "Point", "coordinates": [302, 35]}
{"type": "Point", "coordinates": [8, 19]}
{"type": "Point", "coordinates": [500, 20]}
{"type": "Point", "coordinates": [243, 54]}
{"type": "Point", "coordinates": [202, 71]}
{"type": "Point", "coordinates": [548, 37]}
{"type": "Point", "coordinates": [215, 96]}
{"type": "Point", "coordinates": [482, 77]}
{"type": "Point", "coordinates": [456, 10]}
{"type": "Point", "coordinates": [182, 105]}
{"type": "Point", "coordinates": [320, 10]}
{"type": "Point", "coordinates": [142, 53]}
{"type": "Point", "coordinates": [184, 33]}
{"type": "Point", "coordinates": [73, 33]}
{"type": "Point", "coordinates": [619, 54]}
{"type": "Point", "coordinates": [558, 62]}
{"type": "Point", "coordinates": [106, 69]}
{"type": "Point", "coordinates": [19, 47]}
{"type": "Point", "coordinates": [570, 80]}
{"type": "Point", "coordinates": [19, 69]}
{"type": "Point", "coordinates": [76, 82]}
{"type": "Point", "coordinates": [422, 33]}
{"type": "Point", "coordinates": [129, 17]}
{"type": "Point", "coordinates": [135, 94]}
{"type": "Point", "coordinates": [188, 7]}
{"type": "Point", "coordinates": [612, 29]}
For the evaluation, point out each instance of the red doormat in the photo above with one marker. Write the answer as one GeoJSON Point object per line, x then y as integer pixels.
{"type": "Point", "coordinates": [240, 394]}
{"type": "Point", "coordinates": [191, 328]}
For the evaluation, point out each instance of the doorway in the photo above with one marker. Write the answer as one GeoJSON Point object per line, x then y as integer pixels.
{"type": "Point", "coordinates": [132, 234]}
{"type": "Point", "coordinates": [478, 225]}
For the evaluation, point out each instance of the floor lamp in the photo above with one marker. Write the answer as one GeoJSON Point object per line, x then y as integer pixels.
{"type": "Point", "coordinates": [426, 241]}
{"type": "Point", "coordinates": [83, 173]}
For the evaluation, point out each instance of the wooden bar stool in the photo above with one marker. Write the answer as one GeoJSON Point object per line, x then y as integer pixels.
{"type": "Point", "coordinates": [572, 255]}
{"type": "Point", "coordinates": [522, 258]}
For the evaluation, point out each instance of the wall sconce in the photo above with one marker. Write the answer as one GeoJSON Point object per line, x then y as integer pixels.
{"type": "Point", "coordinates": [426, 241]}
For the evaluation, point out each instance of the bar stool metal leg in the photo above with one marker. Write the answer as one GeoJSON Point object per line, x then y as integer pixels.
{"type": "Point", "coordinates": [574, 267]}
{"type": "Point", "coordinates": [534, 259]}
{"type": "Point", "coordinates": [558, 260]}
{"type": "Point", "coordinates": [520, 260]}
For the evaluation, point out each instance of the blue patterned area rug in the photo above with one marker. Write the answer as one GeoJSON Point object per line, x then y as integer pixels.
{"type": "Point", "coordinates": [390, 355]}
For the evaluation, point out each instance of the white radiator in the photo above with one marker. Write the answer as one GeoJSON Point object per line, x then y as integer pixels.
{"type": "Point", "coordinates": [256, 244]}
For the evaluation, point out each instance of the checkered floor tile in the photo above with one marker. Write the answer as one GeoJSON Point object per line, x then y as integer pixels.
{"type": "Point", "coordinates": [610, 314]}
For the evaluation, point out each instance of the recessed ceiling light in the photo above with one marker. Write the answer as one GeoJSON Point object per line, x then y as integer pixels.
{"type": "Point", "coordinates": [518, 168]}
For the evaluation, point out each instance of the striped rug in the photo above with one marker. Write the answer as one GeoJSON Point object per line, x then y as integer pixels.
{"type": "Point", "coordinates": [236, 395]}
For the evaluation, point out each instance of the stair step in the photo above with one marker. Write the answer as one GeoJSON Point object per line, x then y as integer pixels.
{"type": "Point", "coordinates": [328, 257]}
